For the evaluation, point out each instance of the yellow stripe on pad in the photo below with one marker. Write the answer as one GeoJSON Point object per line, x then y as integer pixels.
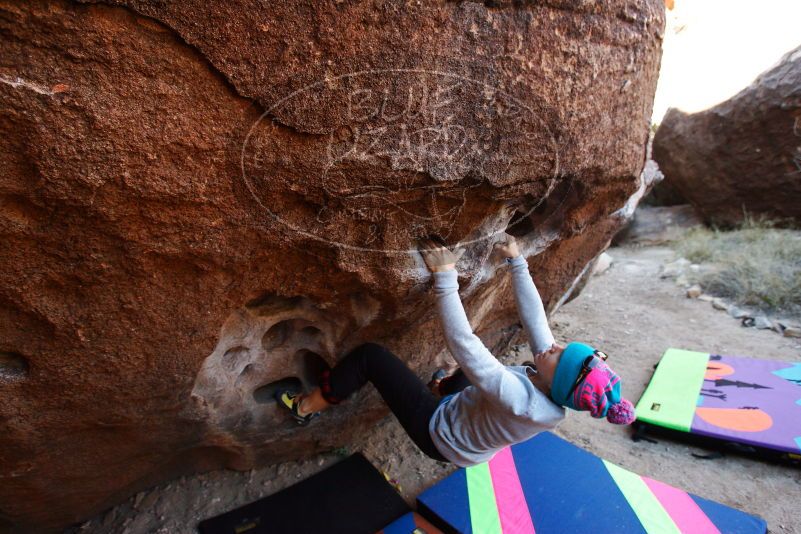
{"type": "Point", "coordinates": [484, 516]}
{"type": "Point", "coordinates": [671, 396]}
{"type": "Point", "coordinates": [647, 508]}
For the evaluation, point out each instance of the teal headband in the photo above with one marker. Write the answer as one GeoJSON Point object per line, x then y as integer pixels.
{"type": "Point", "coordinates": [567, 371]}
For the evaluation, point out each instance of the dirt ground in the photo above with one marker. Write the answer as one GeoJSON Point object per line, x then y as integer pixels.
{"type": "Point", "coordinates": [631, 314]}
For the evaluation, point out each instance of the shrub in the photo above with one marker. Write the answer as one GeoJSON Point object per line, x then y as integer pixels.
{"type": "Point", "coordinates": [756, 264]}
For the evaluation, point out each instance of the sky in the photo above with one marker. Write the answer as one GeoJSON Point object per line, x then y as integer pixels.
{"type": "Point", "coordinates": [715, 48]}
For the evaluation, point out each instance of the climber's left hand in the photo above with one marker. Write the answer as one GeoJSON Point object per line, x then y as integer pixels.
{"type": "Point", "coordinates": [507, 247]}
{"type": "Point", "coordinates": [437, 257]}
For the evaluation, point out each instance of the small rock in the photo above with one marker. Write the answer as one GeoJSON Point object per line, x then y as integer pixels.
{"type": "Point", "coordinates": [675, 268]}
{"type": "Point", "coordinates": [682, 280]}
{"type": "Point", "coordinates": [138, 500]}
{"type": "Point", "coordinates": [631, 269]}
{"type": "Point", "coordinates": [695, 268]}
{"type": "Point", "coordinates": [792, 331]}
{"type": "Point", "coordinates": [706, 298]}
{"type": "Point", "coordinates": [737, 313]}
{"type": "Point", "coordinates": [719, 304]}
{"type": "Point", "coordinates": [747, 322]}
{"type": "Point", "coordinates": [762, 323]}
{"type": "Point", "coordinates": [694, 291]}
{"type": "Point", "coordinates": [602, 264]}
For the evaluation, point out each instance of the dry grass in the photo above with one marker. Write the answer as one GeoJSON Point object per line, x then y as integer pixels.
{"type": "Point", "coordinates": [756, 265]}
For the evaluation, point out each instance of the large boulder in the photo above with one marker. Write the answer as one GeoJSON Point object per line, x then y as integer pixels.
{"type": "Point", "coordinates": [743, 155]}
{"type": "Point", "coordinates": [200, 199]}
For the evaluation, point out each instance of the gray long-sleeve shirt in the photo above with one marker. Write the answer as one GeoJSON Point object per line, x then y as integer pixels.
{"type": "Point", "coordinates": [502, 406]}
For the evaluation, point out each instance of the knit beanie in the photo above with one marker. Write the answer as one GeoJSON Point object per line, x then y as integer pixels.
{"type": "Point", "coordinates": [599, 391]}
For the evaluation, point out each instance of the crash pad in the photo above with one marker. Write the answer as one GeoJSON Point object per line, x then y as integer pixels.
{"type": "Point", "coordinates": [548, 485]}
{"type": "Point", "coordinates": [350, 496]}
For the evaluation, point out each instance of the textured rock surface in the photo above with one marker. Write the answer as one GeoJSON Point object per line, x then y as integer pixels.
{"type": "Point", "coordinates": [743, 154]}
{"type": "Point", "coordinates": [199, 199]}
{"type": "Point", "coordinates": [664, 194]}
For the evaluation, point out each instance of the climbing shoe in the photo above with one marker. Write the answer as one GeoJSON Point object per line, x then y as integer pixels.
{"type": "Point", "coordinates": [291, 401]}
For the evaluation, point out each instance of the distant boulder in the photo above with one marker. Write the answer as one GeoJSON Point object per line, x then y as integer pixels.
{"type": "Point", "coordinates": [657, 225]}
{"type": "Point", "coordinates": [743, 155]}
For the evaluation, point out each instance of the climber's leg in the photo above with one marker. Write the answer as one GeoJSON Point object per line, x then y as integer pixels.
{"type": "Point", "coordinates": [313, 402]}
{"type": "Point", "coordinates": [406, 395]}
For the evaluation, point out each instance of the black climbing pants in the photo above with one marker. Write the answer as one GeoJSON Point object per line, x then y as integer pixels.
{"type": "Point", "coordinates": [406, 395]}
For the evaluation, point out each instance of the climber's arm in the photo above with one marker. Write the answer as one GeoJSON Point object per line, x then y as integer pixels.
{"type": "Point", "coordinates": [476, 361]}
{"type": "Point", "coordinates": [481, 367]}
{"type": "Point", "coordinates": [529, 306]}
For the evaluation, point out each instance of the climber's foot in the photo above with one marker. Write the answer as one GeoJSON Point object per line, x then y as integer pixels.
{"type": "Point", "coordinates": [291, 401]}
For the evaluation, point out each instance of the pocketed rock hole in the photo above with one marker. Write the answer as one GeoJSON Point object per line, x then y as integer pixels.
{"type": "Point", "coordinates": [274, 343]}
{"type": "Point", "coordinates": [266, 393]}
{"type": "Point", "coordinates": [551, 213]}
{"type": "Point", "coordinates": [245, 375]}
{"type": "Point", "coordinates": [520, 225]}
{"type": "Point", "coordinates": [234, 357]}
{"type": "Point", "coordinates": [311, 365]}
{"type": "Point", "coordinates": [311, 331]}
{"type": "Point", "coordinates": [277, 334]}
{"type": "Point", "coordinates": [13, 366]}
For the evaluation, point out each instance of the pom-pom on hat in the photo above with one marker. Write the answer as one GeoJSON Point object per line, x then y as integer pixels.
{"type": "Point", "coordinates": [598, 392]}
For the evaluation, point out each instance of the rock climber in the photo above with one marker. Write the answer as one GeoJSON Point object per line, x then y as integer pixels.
{"type": "Point", "coordinates": [486, 405]}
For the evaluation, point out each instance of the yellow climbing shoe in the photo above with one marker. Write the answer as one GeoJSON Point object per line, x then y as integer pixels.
{"type": "Point", "coordinates": [291, 401]}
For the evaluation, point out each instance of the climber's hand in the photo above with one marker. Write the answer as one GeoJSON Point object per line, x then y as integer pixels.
{"type": "Point", "coordinates": [437, 257]}
{"type": "Point", "coordinates": [507, 247]}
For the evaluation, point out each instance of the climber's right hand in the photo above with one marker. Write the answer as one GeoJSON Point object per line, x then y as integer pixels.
{"type": "Point", "coordinates": [437, 257]}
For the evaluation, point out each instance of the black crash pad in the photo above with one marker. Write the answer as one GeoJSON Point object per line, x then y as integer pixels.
{"type": "Point", "coordinates": [350, 496]}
